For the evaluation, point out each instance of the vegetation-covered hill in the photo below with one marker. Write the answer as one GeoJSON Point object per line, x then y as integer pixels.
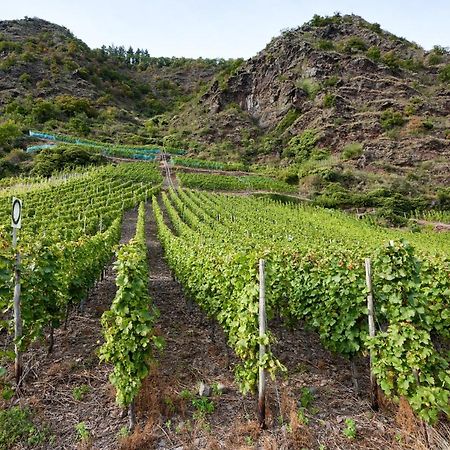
{"type": "Point", "coordinates": [50, 79]}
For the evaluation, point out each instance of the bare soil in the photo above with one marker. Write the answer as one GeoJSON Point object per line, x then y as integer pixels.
{"type": "Point", "coordinates": [437, 226]}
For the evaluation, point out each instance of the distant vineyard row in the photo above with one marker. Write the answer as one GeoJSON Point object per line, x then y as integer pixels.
{"type": "Point", "coordinates": [233, 183]}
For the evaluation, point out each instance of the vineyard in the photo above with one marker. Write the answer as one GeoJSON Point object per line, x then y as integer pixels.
{"type": "Point", "coordinates": [158, 292]}
{"type": "Point", "coordinates": [212, 165]}
{"type": "Point", "coordinates": [71, 226]}
{"type": "Point", "coordinates": [231, 183]}
{"type": "Point", "coordinates": [317, 278]}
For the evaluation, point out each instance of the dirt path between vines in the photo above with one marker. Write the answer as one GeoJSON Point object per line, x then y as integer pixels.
{"type": "Point", "coordinates": [50, 387]}
{"type": "Point", "coordinates": [170, 177]}
{"type": "Point", "coordinates": [196, 352]}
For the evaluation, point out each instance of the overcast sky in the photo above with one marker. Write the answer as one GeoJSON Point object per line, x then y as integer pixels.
{"type": "Point", "coordinates": [226, 28]}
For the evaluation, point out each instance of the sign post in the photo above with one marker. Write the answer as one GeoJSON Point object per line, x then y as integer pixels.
{"type": "Point", "coordinates": [262, 347]}
{"type": "Point", "coordinates": [16, 223]}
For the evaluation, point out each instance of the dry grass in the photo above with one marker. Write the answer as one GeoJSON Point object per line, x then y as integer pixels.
{"type": "Point", "coordinates": [440, 437]}
{"type": "Point", "coordinates": [416, 434]}
{"type": "Point", "coordinates": [299, 436]}
{"type": "Point", "coordinates": [141, 438]}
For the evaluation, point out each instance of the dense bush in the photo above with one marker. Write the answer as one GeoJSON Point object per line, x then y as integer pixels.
{"type": "Point", "coordinates": [444, 198]}
{"type": "Point", "coordinates": [71, 106]}
{"type": "Point", "coordinates": [63, 157]}
{"type": "Point", "coordinates": [352, 151]}
{"type": "Point", "coordinates": [354, 44]}
{"type": "Point", "coordinates": [9, 133]}
{"type": "Point", "coordinates": [444, 74]}
{"type": "Point", "coordinates": [374, 53]}
{"type": "Point", "coordinates": [320, 21]}
{"type": "Point", "coordinates": [412, 64]}
{"type": "Point", "coordinates": [434, 59]}
{"type": "Point", "coordinates": [15, 162]}
{"type": "Point", "coordinates": [391, 60]}
{"type": "Point", "coordinates": [301, 146]}
{"type": "Point", "coordinates": [44, 110]}
{"type": "Point", "coordinates": [325, 44]}
{"type": "Point", "coordinates": [375, 27]}
{"type": "Point", "coordinates": [390, 119]}
{"type": "Point", "coordinates": [80, 124]}
{"type": "Point", "coordinates": [392, 207]}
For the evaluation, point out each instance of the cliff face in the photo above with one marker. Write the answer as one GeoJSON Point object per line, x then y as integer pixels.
{"type": "Point", "coordinates": [348, 80]}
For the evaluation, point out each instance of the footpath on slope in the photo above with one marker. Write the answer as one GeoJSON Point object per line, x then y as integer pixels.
{"type": "Point", "coordinates": [173, 416]}
{"type": "Point", "coordinates": [53, 382]}
{"type": "Point", "coordinates": [170, 178]}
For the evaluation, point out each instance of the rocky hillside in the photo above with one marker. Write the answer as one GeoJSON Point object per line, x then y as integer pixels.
{"type": "Point", "coordinates": [337, 86]}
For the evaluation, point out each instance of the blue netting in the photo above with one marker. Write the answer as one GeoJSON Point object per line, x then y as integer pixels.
{"type": "Point", "coordinates": [37, 134]}
{"type": "Point", "coordinates": [85, 142]}
{"type": "Point", "coordinates": [35, 148]}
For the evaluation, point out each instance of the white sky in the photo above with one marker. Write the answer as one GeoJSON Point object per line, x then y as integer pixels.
{"type": "Point", "coordinates": [226, 28]}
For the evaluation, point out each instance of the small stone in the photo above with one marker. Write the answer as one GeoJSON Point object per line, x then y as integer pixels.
{"type": "Point", "coordinates": [221, 388]}
{"type": "Point", "coordinates": [204, 390]}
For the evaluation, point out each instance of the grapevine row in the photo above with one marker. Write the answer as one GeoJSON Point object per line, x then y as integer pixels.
{"type": "Point", "coordinates": [128, 327]}
{"type": "Point", "coordinates": [232, 183]}
{"type": "Point", "coordinates": [316, 274]}
{"type": "Point", "coordinates": [205, 164]}
{"type": "Point", "coordinates": [225, 286]}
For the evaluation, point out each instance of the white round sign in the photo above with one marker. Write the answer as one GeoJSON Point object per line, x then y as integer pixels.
{"type": "Point", "coordinates": [16, 213]}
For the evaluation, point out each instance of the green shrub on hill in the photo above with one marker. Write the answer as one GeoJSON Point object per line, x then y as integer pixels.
{"type": "Point", "coordinates": [301, 146]}
{"type": "Point", "coordinates": [64, 157]}
{"type": "Point", "coordinates": [444, 74]}
{"type": "Point", "coordinates": [354, 44]}
{"type": "Point", "coordinates": [9, 133]}
{"type": "Point", "coordinates": [352, 151]}
{"type": "Point", "coordinates": [390, 119]}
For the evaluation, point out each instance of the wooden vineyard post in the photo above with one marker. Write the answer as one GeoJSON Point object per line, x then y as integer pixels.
{"type": "Point", "coordinates": [16, 222]}
{"type": "Point", "coordinates": [131, 416]}
{"type": "Point", "coordinates": [262, 347]}
{"type": "Point", "coordinates": [371, 319]}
